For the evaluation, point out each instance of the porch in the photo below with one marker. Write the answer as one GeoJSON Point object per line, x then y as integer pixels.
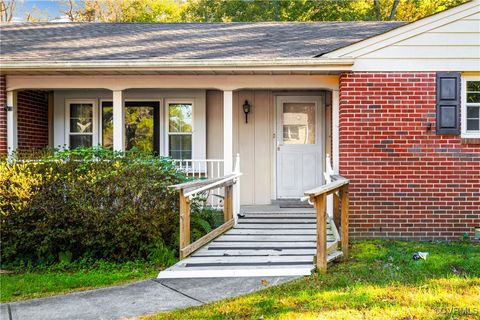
{"type": "Point", "coordinates": [211, 129]}
{"type": "Point", "coordinates": [283, 127]}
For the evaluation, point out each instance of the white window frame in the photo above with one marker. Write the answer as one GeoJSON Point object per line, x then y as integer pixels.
{"type": "Point", "coordinates": [94, 133]}
{"type": "Point", "coordinates": [463, 99]}
{"type": "Point", "coordinates": [167, 123]}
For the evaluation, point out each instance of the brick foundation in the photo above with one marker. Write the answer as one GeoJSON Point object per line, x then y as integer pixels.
{"type": "Point", "coordinates": [406, 181]}
{"type": "Point", "coordinates": [32, 119]}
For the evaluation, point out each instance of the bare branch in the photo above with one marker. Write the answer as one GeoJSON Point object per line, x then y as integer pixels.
{"type": "Point", "coordinates": [377, 9]}
{"type": "Point", "coordinates": [7, 9]}
{"type": "Point", "coordinates": [394, 9]}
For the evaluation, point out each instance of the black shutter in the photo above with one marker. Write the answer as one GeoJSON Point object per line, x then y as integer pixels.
{"type": "Point", "coordinates": [448, 103]}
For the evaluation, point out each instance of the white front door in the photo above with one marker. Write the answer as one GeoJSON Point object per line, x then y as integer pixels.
{"type": "Point", "coordinates": [300, 133]}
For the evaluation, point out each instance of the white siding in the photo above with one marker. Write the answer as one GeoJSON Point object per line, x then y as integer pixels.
{"type": "Point", "coordinates": [453, 46]}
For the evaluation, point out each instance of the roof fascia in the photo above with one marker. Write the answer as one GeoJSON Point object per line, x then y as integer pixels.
{"type": "Point", "coordinates": [182, 65]}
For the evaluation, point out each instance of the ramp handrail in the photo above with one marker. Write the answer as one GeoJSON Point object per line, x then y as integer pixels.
{"type": "Point", "coordinates": [318, 196]}
{"type": "Point", "coordinates": [187, 192]}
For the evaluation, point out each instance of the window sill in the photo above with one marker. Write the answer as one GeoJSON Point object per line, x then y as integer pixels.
{"type": "Point", "coordinates": [471, 140]}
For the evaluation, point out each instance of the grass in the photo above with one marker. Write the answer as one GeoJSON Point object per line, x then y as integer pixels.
{"type": "Point", "coordinates": [59, 280]}
{"type": "Point", "coordinates": [380, 281]}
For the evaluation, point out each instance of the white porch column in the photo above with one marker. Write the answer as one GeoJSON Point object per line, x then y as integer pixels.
{"type": "Point", "coordinates": [228, 132]}
{"type": "Point", "coordinates": [336, 131]}
{"type": "Point", "coordinates": [118, 121]}
{"type": "Point", "coordinates": [12, 132]}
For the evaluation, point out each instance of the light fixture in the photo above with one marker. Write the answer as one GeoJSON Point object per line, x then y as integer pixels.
{"type": "Point", "coordinates": [246, 109]}
{"type": "Point", "coordinates": [8, 108]}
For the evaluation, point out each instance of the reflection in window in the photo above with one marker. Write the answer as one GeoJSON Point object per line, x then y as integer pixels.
{"type": "Point", "coordinates": [139, 128]}
{"type": "Point", "coordinates": [107, 125]}
{"type": "Point", "coordinates": [299, 123]}
{"type": "Point", "coordinates": [141, 125]}
{"type": "Point", "coordinates": [180, 122]}
{"type": "Point", "coordinates": [473, 106]}
{"type": "Point", "coordinates": [81, 125]}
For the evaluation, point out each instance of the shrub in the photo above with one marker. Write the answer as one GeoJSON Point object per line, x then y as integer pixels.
{"type": "Point", "coordinates": [88, 204]}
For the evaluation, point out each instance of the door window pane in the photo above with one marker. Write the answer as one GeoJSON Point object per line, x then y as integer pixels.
{"type": "Point", "coordinates": [299, 123]}
{"type": "Point", "coordinates": [81, 118]}
{"type": "Point", "coordinates": [180, 146]}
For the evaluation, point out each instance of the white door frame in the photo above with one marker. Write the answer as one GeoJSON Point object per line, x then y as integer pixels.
{"type": "Point", "coordinates": [319, 98]}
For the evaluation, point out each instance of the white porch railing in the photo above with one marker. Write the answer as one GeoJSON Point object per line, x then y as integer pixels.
{"type": "Point", "coordinates": [205, 169]}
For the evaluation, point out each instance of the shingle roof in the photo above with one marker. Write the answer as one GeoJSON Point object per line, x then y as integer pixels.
{"type": "Point", "coordinates": [156, 41]}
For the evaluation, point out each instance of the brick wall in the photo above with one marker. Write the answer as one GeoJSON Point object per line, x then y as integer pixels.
{"type": "Point", "coordinates": [32, 119]}
{"type": "Point", "coordinates": [407, 182]}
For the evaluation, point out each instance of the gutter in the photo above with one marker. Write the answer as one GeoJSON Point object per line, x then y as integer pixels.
{"type": "Point", "coordinates": [313, 64]}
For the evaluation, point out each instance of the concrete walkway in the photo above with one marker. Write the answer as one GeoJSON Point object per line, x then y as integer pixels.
{"type": "Point", "coordinates": [136, 299]}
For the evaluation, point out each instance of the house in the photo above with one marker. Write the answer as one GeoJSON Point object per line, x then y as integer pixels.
{"type": "Point", "coordinates": [396, 107]}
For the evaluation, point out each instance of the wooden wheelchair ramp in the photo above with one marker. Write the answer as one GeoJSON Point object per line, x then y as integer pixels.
{"type": "Point", "coordinates": [281, 243]}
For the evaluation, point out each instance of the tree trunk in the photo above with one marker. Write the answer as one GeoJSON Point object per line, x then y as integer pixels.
{"type": "Point", "coordinates": [377, 9]}
{"type": "Point", "coordinates": [394, 10]}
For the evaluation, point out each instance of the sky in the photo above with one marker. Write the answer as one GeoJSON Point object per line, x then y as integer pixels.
{"type": "Point", "coordinates": [52, 6]}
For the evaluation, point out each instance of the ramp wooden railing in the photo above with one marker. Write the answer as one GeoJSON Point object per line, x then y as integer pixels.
{"type": "Point", "coordinates": [318, 196]}
{"type": "Point", "coordinates": [187, 192]}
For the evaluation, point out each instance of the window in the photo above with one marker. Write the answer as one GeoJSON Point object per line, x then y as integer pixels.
{"type": "Point", "coordinates": [471, 107]}
{"type": "Point", "coordinates": [141, 125]}
{"type": "Point", "coordinates": [81, 123]}
{"type": "Point", "coordinates": [107, 124]}
{"type": "Point", "coordinates": [180, 123]}
{"type": "Point", "coordinates": [299, 123]}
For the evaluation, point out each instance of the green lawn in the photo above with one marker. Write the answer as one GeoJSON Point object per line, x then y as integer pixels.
{"type": "Point", "coordinates": [36, 284]}
{"type": "Point", "coordinates": [380, 281]}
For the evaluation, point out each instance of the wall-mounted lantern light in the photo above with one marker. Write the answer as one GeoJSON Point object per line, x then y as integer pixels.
{"type": "Point", "coordinates": [8, 108]}
{"type": "Point", "coordinates": [246, 109]}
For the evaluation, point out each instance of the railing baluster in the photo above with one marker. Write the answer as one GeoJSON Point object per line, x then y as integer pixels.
{"type": "Point", "coordinates": [204, 168]}
{"type": "Point", "coordinates": [184, 222]}
{"type": "Point", "coordinates": [319, 198]}
{"type": "Point", "coordinates": [320, 206]}
{"type": "Point", "coordinates": [336, 207]}
{"type": "Point", "coordinates": [228, 204]}
{"type": "Point", "coordinates": [344, 222]}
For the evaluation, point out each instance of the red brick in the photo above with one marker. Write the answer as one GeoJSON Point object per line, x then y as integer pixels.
{"type": "Point", "coordinates": [399, 171]}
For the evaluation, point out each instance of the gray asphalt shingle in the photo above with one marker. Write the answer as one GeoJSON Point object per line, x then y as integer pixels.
{"type": "Point", "coordinates": [156, 41]}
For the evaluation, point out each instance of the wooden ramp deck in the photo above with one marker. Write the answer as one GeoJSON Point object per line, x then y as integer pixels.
{"type": "Point", "coordinates": [263, 243]}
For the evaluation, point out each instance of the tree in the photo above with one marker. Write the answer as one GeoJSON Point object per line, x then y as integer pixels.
{"type": "Point", "coordinates": [36, 15]}
{"type": "Point", "coordinates": [7, 9]}
{"type": "Point", "coordinates": [309, 10]}
{"type": "Point", "coordinates": [251, 10]}
{"type": "Point", "coordinates": [123, 11]}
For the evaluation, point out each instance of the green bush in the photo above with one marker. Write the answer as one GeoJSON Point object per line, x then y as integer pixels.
{"type": "Point", "coordinates": [88, 204]}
